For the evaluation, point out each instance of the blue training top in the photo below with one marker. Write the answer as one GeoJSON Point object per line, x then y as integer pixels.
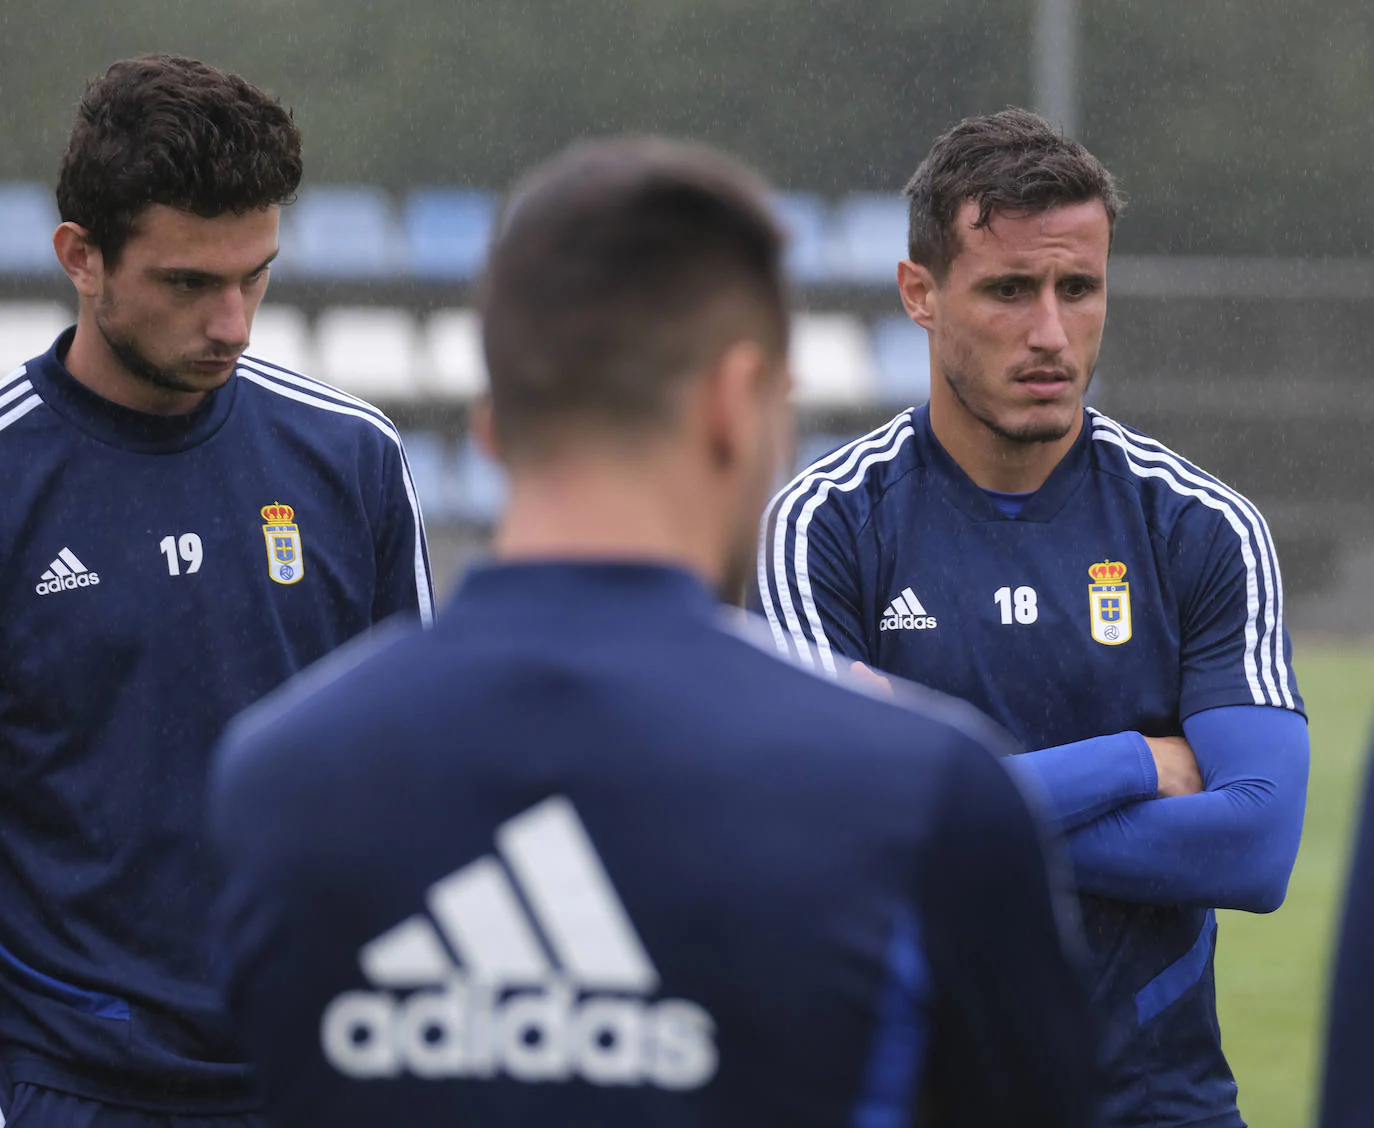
{"type": "Point", "coordinates": [159, 575]}
{"type": "Point", "coordinates": [1131, 594]}
{"type": "Point", "coordinates": [583, 856]}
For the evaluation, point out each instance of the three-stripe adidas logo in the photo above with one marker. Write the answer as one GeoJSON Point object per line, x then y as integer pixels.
{"type": "Point", "coordinates": [545, 988]}
{"type": "Point", "coordinates": [66, 573]}
{"type": "Point", "coordinates": [905, 613]}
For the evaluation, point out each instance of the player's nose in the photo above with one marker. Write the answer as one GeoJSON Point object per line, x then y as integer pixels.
{"type": "Point", "coordinates": [228, 326]}
{"type": "Point", "coordinates": [1047, 332]}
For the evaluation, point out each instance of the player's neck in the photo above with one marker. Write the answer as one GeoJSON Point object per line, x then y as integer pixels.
{"type": "Point", "coordinates": [92, 364]}
{"type": "Point", "coordinates": [993, 461]}
{"type": "Point", "coordinates": [605, 510]}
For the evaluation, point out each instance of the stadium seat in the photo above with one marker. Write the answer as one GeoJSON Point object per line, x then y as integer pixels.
{"type": "Point", "coordinates": [806, 219]}
{"type": "Point", "coordinates": [902, 351]}
{"type": "Point", "coordinates": [480, 486]}
{"type": "Point", "coordinates": [454, 367]}
{"type": "Point", "coordinates": [340, 232]}
{"type": "Point", "coordinates": [281, 335]}
{"type": "Point", "coordinates": [28, 217]}
{"type": "Point", "coordinates": [28, 329]}
{"type": "Point", "coordinates": [447, 231]}
{"type": "Point", "coordinates": [369, 351]}
{"type": "Point", "coordinates": [428, 457]}
{"type": "Point", "coordinates": [870, 237]}
{"type": "Point", "coordinates": [832, 361]}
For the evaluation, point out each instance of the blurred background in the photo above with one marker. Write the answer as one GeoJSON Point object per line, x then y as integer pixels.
{"type": "Point", "coordinates": [1242, 283]}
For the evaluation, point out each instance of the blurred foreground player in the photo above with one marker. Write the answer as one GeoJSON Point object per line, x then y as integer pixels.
{"type": "Point", "coordinates": [1116, 608]}
{"type": "Point", "coordinates": [583, 855]}
{"type": "Point", "coordinates": [181, 529]}
{"type": "Point", "coordinates": [1348, 1087]}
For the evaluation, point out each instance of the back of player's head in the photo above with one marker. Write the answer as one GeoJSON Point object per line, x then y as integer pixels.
{"type": "Point", "coordinates": [166, 130]}
{"type": "Point", "coordinates": [1013, 162]}
{"type": "Point", "coordinates": [621, 269]}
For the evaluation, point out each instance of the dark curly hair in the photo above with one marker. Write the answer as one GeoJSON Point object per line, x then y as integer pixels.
{"type": "Point", "coordinates": [161, 129]}
{"type": "Point", "coordinates": [1013, 161]}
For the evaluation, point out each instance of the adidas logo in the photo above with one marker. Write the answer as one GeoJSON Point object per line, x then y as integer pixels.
{"type": "Point", "coordinates": [65, 574]}
{"type": "Point", "coordinates": [550, 984]}
{"type": "Point", "coordinates": [905, 613]}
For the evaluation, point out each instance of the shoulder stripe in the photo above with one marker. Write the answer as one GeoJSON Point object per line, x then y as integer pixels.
{"type": "Point", "coordinates": [24, 387]}
{"type": "Point", "coordinates": [1269, 558]}
{"type": "Point", "coordinates": [423, 586]}
{"type": "Point", "coordinates": [310, 384]}
{"type": "Point", "coordinates": [1265, 666]}
{"type": "Point", "coordinates": [21, 409]}
{"type": "Point", "coordinates": [21, 371]}
{"type": "Point", "coordinates": [844, 471]}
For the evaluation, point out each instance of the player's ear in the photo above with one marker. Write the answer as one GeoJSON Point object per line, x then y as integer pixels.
{"type": "Point", "coordinates": [80, 258]}
{"type": "Point", "coordinates": [917, 287]}
{"type": "Point", "coordinates": [482, 425]}
{"type": "Point", "coordinates": [734, 394]}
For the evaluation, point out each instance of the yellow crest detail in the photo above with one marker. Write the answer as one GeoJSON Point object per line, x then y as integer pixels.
{"type": "Point", "coordinates": [285, 558]}
{"type": "Point", "coordinates": [1109, 603]}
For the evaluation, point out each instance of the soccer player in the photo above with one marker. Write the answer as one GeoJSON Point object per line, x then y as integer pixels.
{"type": "Point", "coordinates": [1348, 1088]}
{"type": "Point", "coordinates": [584, 855]}
{"type": "Point", "coordinates": [1116, 608]}
{"type": "Point", "coordinates": [181, 529]}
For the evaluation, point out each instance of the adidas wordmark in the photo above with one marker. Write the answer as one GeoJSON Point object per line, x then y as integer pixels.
{"type": "Point", "coordinates": [66, 573]}
{"type": "Point", "coordinates": [905, 613]}
{"type": "Point", "coordinates": [550, 994]}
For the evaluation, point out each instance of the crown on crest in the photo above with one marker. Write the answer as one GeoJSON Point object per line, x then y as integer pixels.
{"type": "Point", "coordinates": [278, 514]}
{"type": "Point", "coordinates": [1108, 572]}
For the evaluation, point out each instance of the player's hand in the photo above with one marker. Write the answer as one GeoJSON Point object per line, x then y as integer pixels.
{"type": "Point", "coordinates": [871, 679]}
{"type": "Point", "coordinates": [1175, 765]}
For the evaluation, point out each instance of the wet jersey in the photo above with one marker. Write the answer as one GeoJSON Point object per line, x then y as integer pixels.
{"type": "Point", "coordinates": [1130, 593]}
{"type": "Point", "coordinates": [158, 575]}
{"type": "Point", "coordinates": [582, 855]}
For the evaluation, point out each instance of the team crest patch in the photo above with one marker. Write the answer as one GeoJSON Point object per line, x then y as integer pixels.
{"type": "Point", "coordinates": [285, 560]}
{"type": "Point", "coordinates": [1109, 603]}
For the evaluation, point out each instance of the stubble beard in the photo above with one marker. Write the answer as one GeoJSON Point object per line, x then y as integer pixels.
{"type": "Point", "coordinates": [956, 376]}
{"type": "Point", "coordinates": [137, 364]}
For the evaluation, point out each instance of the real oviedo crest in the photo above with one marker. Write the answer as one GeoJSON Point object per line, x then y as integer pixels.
{"type": "Point", "coordinates": [1109, 603]}
{"type": "Point", "coordinates": [285, 560]}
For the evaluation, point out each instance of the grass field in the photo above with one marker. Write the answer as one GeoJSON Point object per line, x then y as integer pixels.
{"type": "Point", "coordinates": [1272, 970]}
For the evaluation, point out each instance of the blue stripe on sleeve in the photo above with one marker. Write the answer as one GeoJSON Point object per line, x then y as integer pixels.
{"type": "Point", "coordinates": [89, 1002]}
{"type": "Point", "coordinates": [893, 1071]}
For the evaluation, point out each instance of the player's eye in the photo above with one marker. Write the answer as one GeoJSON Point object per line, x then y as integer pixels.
{"type": "Point", "coordinates": [1078, 287]}
{"type": "Point", "coordinates": [186, 283]}
{"type": "Point", "coordinates": [1009, 291]}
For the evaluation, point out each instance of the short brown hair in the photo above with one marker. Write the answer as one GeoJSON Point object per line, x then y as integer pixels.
{"type": "Point", "coordinates": [621, 268]}
{"type": "Point", "coordinates": [1013, 161]}
{"type": "Point", "coordinates": [161, 129]}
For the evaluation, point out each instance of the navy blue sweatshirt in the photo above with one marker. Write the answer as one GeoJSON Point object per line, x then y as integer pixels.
{"type": "Point", "coordinates": [1132, 595]}
{"type": "Point", "coordinates": [157, 575]}
{"type": "Point", "coordinates": [584, 856]}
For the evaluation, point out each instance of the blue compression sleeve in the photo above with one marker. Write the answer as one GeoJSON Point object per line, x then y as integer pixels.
{"type": "Point", "coordinates": [1233, 845]}
{"type": "Point", "coordinates": [1080, 782]}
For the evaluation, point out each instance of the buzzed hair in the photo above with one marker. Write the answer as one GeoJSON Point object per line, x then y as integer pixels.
{"type": "Point", "coordinates": [621, 269]}
{"type": "Point", "coordinates": [1014, 162]}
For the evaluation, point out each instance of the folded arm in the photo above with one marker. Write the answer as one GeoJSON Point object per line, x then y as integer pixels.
{"type": "Point", "coordinates": [1233, 844]}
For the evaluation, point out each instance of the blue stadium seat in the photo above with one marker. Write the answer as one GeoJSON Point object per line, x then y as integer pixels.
{"type": "Point", "coordinates": [480, 486]}
{"type": "Point", "coordinates": [428, 455]}
{"type": "Point", "coordinates": [341, 232]}
{"type": "Point", "coordinates": [28, 217]}
{"type": "Point", "coordinates": [447, 231]}
{"type": "Point", "coordinates": [903, 355]}
{"type": "Point", "coordinates": [870, 237]}
{"type": "Point", "coordinates": [807, 220]}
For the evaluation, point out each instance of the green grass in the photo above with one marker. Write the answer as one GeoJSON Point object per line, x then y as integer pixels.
{"type": "Point", "coordinates": [1272, 970]}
